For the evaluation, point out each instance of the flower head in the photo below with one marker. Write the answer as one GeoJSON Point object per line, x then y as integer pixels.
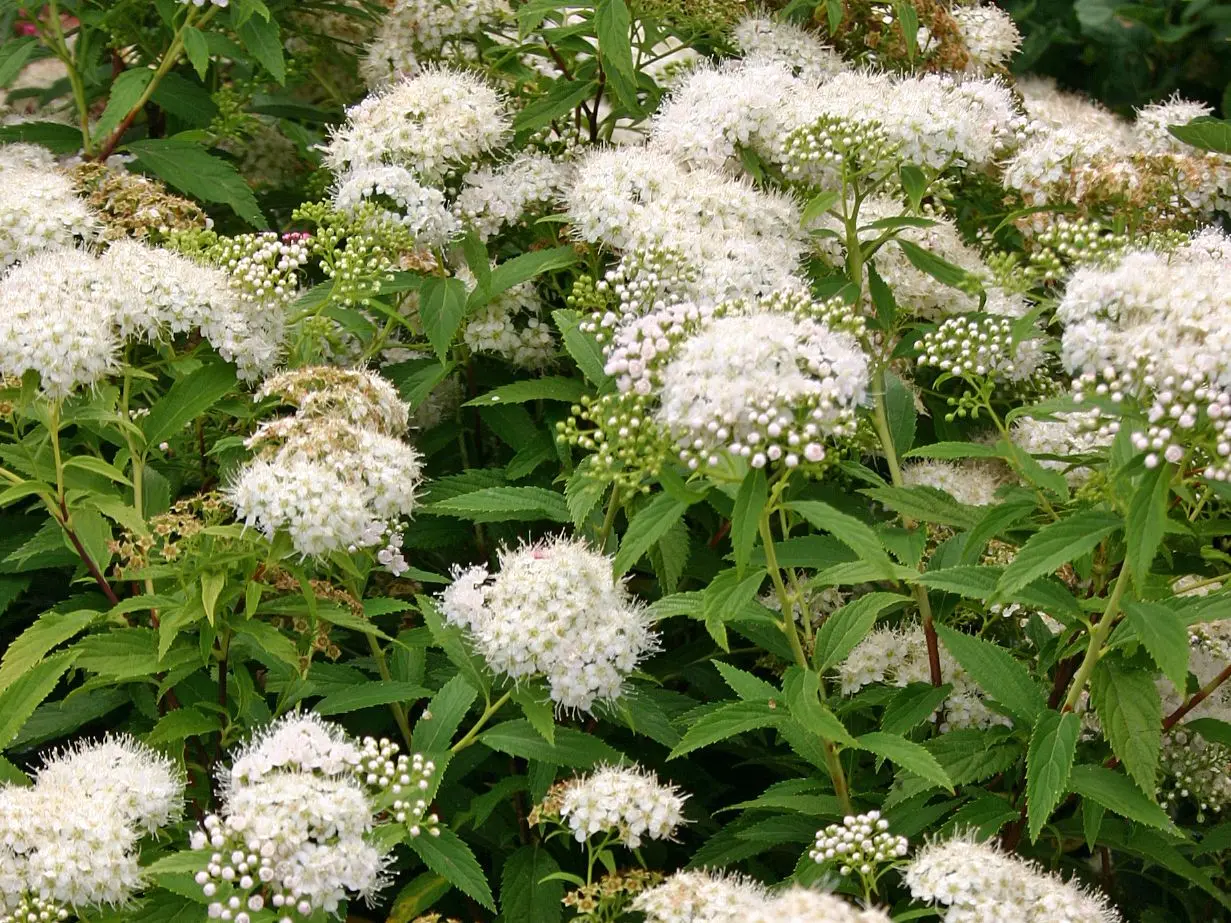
{"type": "Point", "coordinates": [39, 208]}
{"type": "Point", "coordinates": [628, 802]}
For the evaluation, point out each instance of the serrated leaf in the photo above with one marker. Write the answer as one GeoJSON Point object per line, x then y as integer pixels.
{"type": "Point", "coordinates": [451, 858]}
{"type": "Point", "coordinates": [584, 349]}
{"type": "Point", "coordinates": [997, 672]}
{"type": "Point", "coordinates": [527, 265]}
{"type": "Point", "coordinates": [197, 49]}
{"type": "Point", "coordinates": [264, 39]}
{"type": "Point", "coordinates": [647, 526]}
{"type": "Point", "coordinates": [1146, 521]}
{"type": "Point", "coordinates": [1131, 714]}
{"type": "Point", "coordinates": [901, 414]}
{"type": "Point", "coordinates": [1205, 133]}
{"type": "Point", "coordinates": [924, 504]}
{"type": "Point", "coordinates": [849, 625]}
{"type": "Point", "coordinates": [563, 97]}
{"type": "Point", "coordinates": [126, 91]}
{"type": "Point", "coordinates": [190, 168]}
{"type": "Point", "coordinates": [443, 716]}
{"type": "Point", "coordinates": [13, 57]}
{"type": "Point", "coordinates": [913, 705]}
{"type": "Point", "coordinates": [504, 504]}
{"type": "Point", "coordinates": [442, 306]}
{"type": "Point", "coordinates": [612, 23]}
{"type": "Point", "coordinates": [1164, 635]}
{"type": "Point", "coordinates": [907, 754]}
{"type": "Point", "coordinates": [751, 499]}
{"type": "Point", "coordinates": [186, 400]}
{"type": "Point", "coordinates": [725, 722]}
{"type": "Point", "coordinates": [853, 533]}
{"type": "Point", "coordinates": [368, 695]}
{"type": "Point", "coordinates": [1055, 545]}
{"type": "Point", "coordinates": [181, 724]}
{"type": "Point", "coordinates": [27, 692]}
{"type": "Point", "coordinates": [572, 747]}
{"type": "Point", "coordinates": [538, 711]}
{"type": "Point", "coordinates": [549, 388]}
{"type": "Point", "coordinates": [33, 644]}
{"type": "Point", "coordinates": [801, 688]}
{"type": "Point", "coordinates": [935, 266]}
{"type": "Point", "coordinates": [1118, 794]}
{"type": "Point", "coordinates": [1049, 760]}
{"type": "Point", "coordinates": [951, 450]}
{"type": "Point", "coordinates": [527, 892]}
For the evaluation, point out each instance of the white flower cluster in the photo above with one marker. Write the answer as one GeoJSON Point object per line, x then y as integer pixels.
{"type": "Point", "coordinates": [416, 30]}
{"type": "Point", "coordinates": [430, 124]}
{"type": "Point", "coordinates": [553, 610]}
{"type": "Point", "coordinates": [859, 844]}
{"type": "Point", "coordinates": [335, 475]}
{"type": "Point", "coordinates": [511, 325]}
{"type": "Point", "coordinates": [898, 657]}
{"type": "Point", "coordinates": [989, 34]}
{"type": "Point", "coordinates": [1196, 770]}
{"type": "Point", "coordinates": [761, 38]}
{"type": "Point", "coordinates": [979, 884]}
{"type": "Point", "coordinates": [1068, 436]}
{"type": "Point", "coordinates": [419, 209]}
{"type": "Point", "coordinates": [707, 897]}
{"type": "Point", "coordinates": [39, 208]}
{"type": "Point", "coordinates": [494, 197]}
{"type": "Point", "coordinates": [66, 313]}
{"type": "Point", "coordinates": [298, 807]}
{"type": "Point", "coordinates": [971, 483]}
{"type": "Point", "coordinates": [1155, 327]}
{"type": "Point", "coordinates": [983, 347]}
{"type": "Point", "coordinates": [71, 838]}
{"type": "Point", "coordinates": [626, 801]}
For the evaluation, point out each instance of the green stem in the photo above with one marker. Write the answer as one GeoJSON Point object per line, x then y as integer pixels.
{"type": "Point", "coordinates": [613, 507]}
{"type": "Point", "coordinates": [1098, 636]}
{"type": "Point", "coordinates": [59, 46]}
{"type": "Point", "coordinates": [399, 711]}
{"type": "Point", "coordinates": [470, 735]}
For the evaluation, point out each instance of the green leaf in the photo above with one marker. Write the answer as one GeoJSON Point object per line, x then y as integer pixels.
{"type": "Point", "coordinates": [1118, 794]}
{"type": "Point", "coordinates": [1164, 635]}
{"type": "Point", "coordinates": [802, 689]}
{"type": "Point", "coordinates": [96, 465]}
{"type": "Point", "coordinates": [26, 693]}
{"type": "Point", "coordinates": [924, 504]}
{"type": "Point", "coordinates": [526, 890]}
{"type": "Point", "coordinates": [33, 644]}
{"type": "Point", "coordinates": [369, 694]}
{"type": "Point", "coordinates": [914, 184]}
{"type": "Point", "coordinates": [197, 49]}
{"type": "Point", "coordinates": [724, 722]}
{"type": "Point", "coordinates": [937, 267]}
{"type": "Point", "coordinates": [1131, 713]}
{"type": "Point", "coordinates": [55, 136]}
{"type": "Point", "coordinates": [1055, 545]}
{"type": "Point", "coordinates": [612, 24]}
{"type": "Point", "coordinates": [900, 409]}
{"type": "Point", "coordinates": [1146, 521]}
{"type": "Point", "coordinates": [269, 640]}
{"type": "Point", "coordinates": [882, 300]}
{"type": "Point", "coordinates": [913, 705]}
{"type": "Point", "coordinates": [538, 711]}
{"type": "Point", "coordinates": [451, 858]}
{"type": "Point", "coordinates": [856, 535]}
{"type": "Point", "coordinates": [645, 528]}
{"type": "Point", "coordinates": [909, 755]}
{"type": "Point", "coordinates": [505, 504]}
{"type": "Point", "coordinates": [950, 450]}
{"type": "Point", "coordinates": [442, 306]}
{"type": "Point", "coordinates": [182, 723]}
{"type": "Point", "coordinates": [191, 169]}
{"type": "Point", "coordinates": [528, 265]}
{"type": "Point", "coordinates": [1053, 747]}
{"type": "Point", "coordinates": [848, 626]}
{"type": "Point", "coordinates": [751, 499]}
{"type": "Point", "coordinates": [550, 388]}
{"type": "Point", "coordinates": [997, 672]}
{"type": "Point", "coordinates": [186, 400]}
{"type": "Point", "coordinates": [264, 39]}
{"type": "Point", "coordinates": [1208, 134]}
{"type": "Point", "coordinates": [417, 897]}
{"type": "Point", "coordinates": [572, 747]}
{"type": "Point", "coordinates": [126, 91]}
{"type": "Point", "coordinates": [582, 346]}
{"type": "Point", "coordinates": [185, 99]}
{"type": "Point", "coordinates": [818, 205]}
{"type": "Point", "coordinates": [13, 57]}
{"type": "Point", "coordinates": [563, 97]}
{"type": "Point", "coordinates": [443, 716]}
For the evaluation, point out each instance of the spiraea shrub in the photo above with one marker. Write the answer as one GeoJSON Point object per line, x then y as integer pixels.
{"type": "Point", "coordinates": [632, 461]}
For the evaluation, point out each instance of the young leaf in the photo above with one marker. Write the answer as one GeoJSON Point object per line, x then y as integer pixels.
{"type": "Point", "coordinates": [935, 266]}
{"type": "Point", "coordinates": [751, 499]}
{"type": "Point", "coordinates": [1055, 545]}
{"type": "Point", "coordinates": [451, 858]}
{"type": "Point", "coordinates": [197, 49]}
{"type": "Point", "coordinates": [996, 670]}
{"type": "Point", "coordinates": [1131, 713]}
{"type": "Point", "coordinates": [649, 525]}
{"type": "Point", "coordinates": [1049, 760]}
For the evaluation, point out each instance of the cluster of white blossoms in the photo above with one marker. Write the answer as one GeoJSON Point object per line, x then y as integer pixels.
{"type": "Point", "coordinates": [294, 834]}
{"type": "Point", "coordinates": [627, 802]}
{"type": "Point", "coordinates": [971, 483]}
{"type": "Point", "coordinates": [399, 198]}
{"type": "Point", "coordinates": [512, 325]}
{"type": "Point", "coordinates": [763, 39]}
{"type": "Point", "coordinates": [1154, 327]}
{"type": "Point", "coordinates": [553, 610]}
{"type": "Point", "coordinates": [977, 883]}
{"type": "Point", "coordinates": [701, 896]}
{"type": "Point", "coordinates": [70, 839]}
{"type": "Point", "coordinates": [39, 208]}
{"type": "Point", "coordinates": [335, 475]}
{"type": "Point", "coordinates": [494, 197]}
{"type": "Point", "coordinates": [988, 33]}
{"type": "Point", "coordinates": [899, 657]}
{"type": "Point", "coordinates": [413, 31]}
{"type": "Point", "coordinates": [1065, 437]}
{"type": "Point", "coordinates": [860, 844]}
{"type": "Point", "coordinates": [67, 313]}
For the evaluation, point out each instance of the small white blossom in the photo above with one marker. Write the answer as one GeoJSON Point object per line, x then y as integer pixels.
{"type": "Point", "coordinates": [629, 802]}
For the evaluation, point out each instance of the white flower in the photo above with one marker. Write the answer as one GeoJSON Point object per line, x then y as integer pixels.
{"type": "Point", "coordinates": [764, 384]}
{"type": "Point", "coordinates": [761, 38]}
{"type": "Point", "coordinates": [1152, 122]}
{"type": "Point", "coordinates": [627, 801]}
{"type": "Point", "coordinates": [803, 905]}
{"type": "Point", "coordinates": [415, 30]}
{"type": "Point", "coordinates": [512, 325]}
{"type": "Point", "coordinates": [297, 742]}
{"type": "Point", "coordinates": [980, 884]}
{"type": "Point", "coordinates": [39, 208]}
{"type": "Point", "coordinates": [431, 124]}
{"type": "Point", "coordinates": [555, 610]}
{"type": "Point", "coordinates": [969, 483]}
{"type": "Point", "coordinates": [54, 320]}
{"type": "Point", "coordinates": [492, 198]}
{"type": "Point", "coordinates": [989, 34]}
{"type": "Point", "coordinates": [1068, 436]}
{"type": "Point", "coordinates": [701, 897]}
{"type": "Point", "coordinates": [361, 397]}
{"type": "Point", "coordinates": [419, 209]}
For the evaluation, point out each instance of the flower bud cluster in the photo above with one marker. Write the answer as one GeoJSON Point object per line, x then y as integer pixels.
{"type": "Point", "coordinates": [34, 910]}
{"type": "Point", "coordinates": [1066, 241]}
{"type": "Point", "coordinates": [859, 845]}
{"type": "Point", "coordinates": [399, 198]}
{"type": "Point", "coordinates": [625, 803]}
{"type": "Point", "coordinates": [1197, 771]}
{"type": "Point", "coordinates": [553, 610]}
{"type": "Point", "coordinates": [263, 267]}
{"type": "Point", "coordinates": [980, 347]}
{"type": "Point", "coordinates": [294, 833]}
